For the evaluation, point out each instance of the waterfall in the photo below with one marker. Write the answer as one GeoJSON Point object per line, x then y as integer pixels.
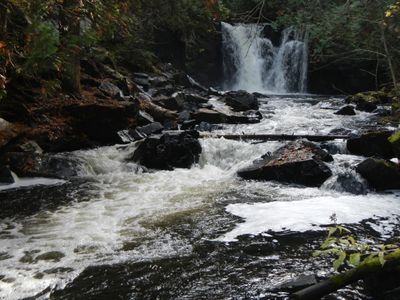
{"type": "Point", "coordinates": [253, 63]}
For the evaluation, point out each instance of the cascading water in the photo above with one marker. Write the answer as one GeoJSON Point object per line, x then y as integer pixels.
{"type": "Point", "coordinates": [253, 63]}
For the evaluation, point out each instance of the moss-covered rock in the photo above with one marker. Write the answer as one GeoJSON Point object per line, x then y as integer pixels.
{"type": "Point", "coordinates": [381, 174]}
{"type": "Point", "coordinates": [368, 101]}
{"type": "Point", "coordinates": [395, 142]}
{"type": "Point", "coordinates": [372, 144]}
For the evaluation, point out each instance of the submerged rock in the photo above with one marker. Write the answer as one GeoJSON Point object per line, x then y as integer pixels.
{"type": "Point", "coordinates": [372, 144]}
{"type": "Point", "coordinates": [28, 164]}
{"type": "Point", "coordinates": [346, 111]}
{"type": "Point", "coordinates": [348, 183]}
{"type": "Point", "coordinates": [241, 100]}
{"type": "Point", "coordinates": [298, 283]}
{"type": "Point", "coordinates": [299, 162]}
{"type": "Point", "coordinates": [169, 150]}
{"type": "Point", "coordinates": [380, 174]}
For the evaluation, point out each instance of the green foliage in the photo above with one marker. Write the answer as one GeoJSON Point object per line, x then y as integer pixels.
{"type": "Point", "coordinates": [348, 252]}
{"type": "Point", "coordinates": [41, 49]}
{"type": "Point", "coordinates": [395, 138]}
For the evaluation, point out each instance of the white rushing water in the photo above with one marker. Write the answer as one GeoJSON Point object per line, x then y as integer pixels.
{"type": "Point", "coordinates": [28, 182]}
{"type": "Point", "coordinates": [310, 214]}
{"type": "Point", "coordinates": [253, 63]}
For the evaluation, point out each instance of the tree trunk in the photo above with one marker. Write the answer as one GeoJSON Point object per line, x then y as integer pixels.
{"type": "Point", "coordinates": [277, 137]}
{"type": "Point", "coordinates": [339, 281]}
{"type": "Point", "coordinates": [70, 31]}
{"type": "Point", "coordinates": [389, 58]}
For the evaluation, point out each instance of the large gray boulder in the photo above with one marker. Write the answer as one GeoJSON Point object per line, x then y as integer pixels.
{"type": "Point", "coordinates": [299, 162]}
{"type": "Point", "coordinates": [241, 100]}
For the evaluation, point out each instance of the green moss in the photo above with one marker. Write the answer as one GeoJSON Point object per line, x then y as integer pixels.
{"type": "Point", "coordinates": [395, 138]}
{"type": "Point", "coordinates": [374, 97]}
{"type": "Point", "coordinates": [395, 142]}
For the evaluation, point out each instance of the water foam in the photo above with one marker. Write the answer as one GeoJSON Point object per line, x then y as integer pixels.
{"type": "Point", "coordinates": [29, 182]}
{"type": "Point", "coordinates": [309, 214]}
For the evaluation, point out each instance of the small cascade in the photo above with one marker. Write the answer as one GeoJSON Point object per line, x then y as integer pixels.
{"type": "Point", "coordinates": [253, 63]}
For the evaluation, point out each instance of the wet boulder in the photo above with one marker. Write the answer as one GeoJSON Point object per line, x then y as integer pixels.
{"type": "Point", "coordinates": [159, 81]}
{"type": "Point", "coordinates": [209, 116]}
{"type": "Point", "coordinates": [241, 100]}
{"type": "Point", "coordinates": [29, 164]}
{"type": "Point", "coordinates": [143, 131]}
{"type": "Point", "coordinates": [347, 110]}
{"type": "Point", "coordinates": [246, 117]}
{"type": "Point", "coordinates": [348, 183]}
{"type": "Point", "coordinates": [299, 162]}
{"type": "Point", "coordinates": [204, 126]}
{"type": "Point", "coordinates": [382, 112]}
{"type": "Point", "coordinates": [175, 102]}
{"type": "Point", "coordinates": [142, 79]}
{"type": "Point", "coordinates": [299, 283]}
{"type": "Point", "coordinates": [180, 149]}
{"type": "Point", "coordinates": [380, 174]}
{"type": "Point", "coordinates": [366, 106]}
{"type": "Point", "coordinates": [372, 144]}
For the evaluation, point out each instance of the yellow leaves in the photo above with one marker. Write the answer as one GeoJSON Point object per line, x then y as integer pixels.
{"type": "Point", "coordinates": [393, 10]}
{"type": "Point", "coordinates": [2, 45]}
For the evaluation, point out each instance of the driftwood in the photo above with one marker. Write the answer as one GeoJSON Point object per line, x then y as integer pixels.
{"type": "Point", "coordinates": [277, 137]}
{"type": "Point", "coordinates": [159, 113]}
{"type": "Point", "coordinates": [341, 280]}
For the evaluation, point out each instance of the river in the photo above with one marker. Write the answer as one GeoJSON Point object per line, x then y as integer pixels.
{"type": "Point", "coordinates": [116, 232]}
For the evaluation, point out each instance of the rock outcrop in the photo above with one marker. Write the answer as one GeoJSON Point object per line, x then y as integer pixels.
{"type": "Point", "coordinates": [347, 110]}
{"type": "Point", "coordinates": [169, 150]}
{"type": "Point", "coordinates": [298, 162]}
{"type": "Point", "coordinates": [240, 100]}
{"type": "Point", "coordinates": [380, 174]}
{"type": "Point", "coordinates": [372, 144]}
{"type": "Point", "coordinates": [369, 101]}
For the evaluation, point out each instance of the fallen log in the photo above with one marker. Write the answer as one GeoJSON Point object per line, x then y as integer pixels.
{"type": "Point", "coordinates": [277, 137]}
{"type": "Point", "coordinates": [336, 282]}
{"type": "Point", "coordinates": [159, 113]}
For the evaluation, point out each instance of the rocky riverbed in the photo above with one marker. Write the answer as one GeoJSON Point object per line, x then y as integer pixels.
{"type": "Point", "coordinates": [136, 220]}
